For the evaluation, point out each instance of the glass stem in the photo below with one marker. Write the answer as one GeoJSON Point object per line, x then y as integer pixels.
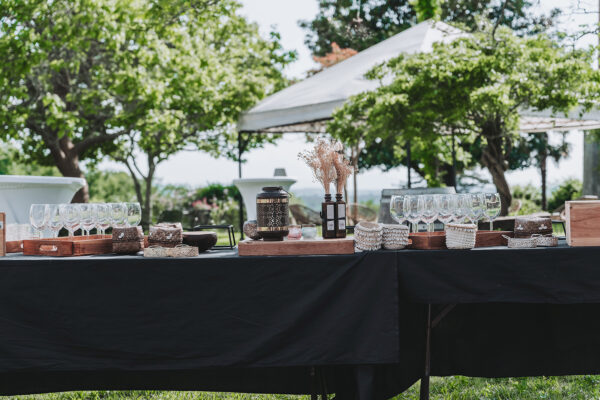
{"type": "Point", "coordinates": [491, 225]}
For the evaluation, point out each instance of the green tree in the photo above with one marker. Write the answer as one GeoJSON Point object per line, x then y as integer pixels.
{"type": "Point", "coordinates": [534, 149]}
{"type": "Point", "coordinates": [382, 19]}
{"type": "Point", "coordinates": [201, 71]}
{"type": "Point", "coordinates": [475, 87]}
{"type": "Point", "coordinates": [11, 163]}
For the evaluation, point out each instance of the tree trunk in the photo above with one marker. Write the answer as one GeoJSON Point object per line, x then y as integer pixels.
{"type": "Point", "coordinates": [147, 207]}
{"type": "Point", "coordinates": [67, 162]}
{"type": "Point", "coordinates": [497, 168]}
{"type": "Point", "coordinates": [543, 163]}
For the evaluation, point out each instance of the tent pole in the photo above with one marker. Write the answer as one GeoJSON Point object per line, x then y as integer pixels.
{"type": "Point", "coordinates": [241, 201]}
{"type": "Point", "coordinates": [408, 162]}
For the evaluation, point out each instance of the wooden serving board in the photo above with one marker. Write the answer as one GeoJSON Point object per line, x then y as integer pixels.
{"type": "Point", "coordinates": [296, 247]}
{"type": "Point", "coordinates": [69, 246]}
{"type": "Point", "coordinates": [492, 238]}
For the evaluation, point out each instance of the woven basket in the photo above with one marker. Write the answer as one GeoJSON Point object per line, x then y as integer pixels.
{"type": "Point", "coordinates": [545, 240]}
{"type": "Point", "coordinates": [460, 236]}
{"type": "Point", "coordinates": [368, 236]}
{"type": "Point", "coordinates": [182, 250]}
{"type": "Point", "coordinates": [395, 237]}
{"type": "Point", "coordinates": [521, 243]}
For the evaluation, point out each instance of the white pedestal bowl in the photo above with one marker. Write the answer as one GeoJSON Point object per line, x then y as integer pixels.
{"type": "Point", "coordinates": [18, 193]}
{"type": "Point", "coordinates": [250, 187]}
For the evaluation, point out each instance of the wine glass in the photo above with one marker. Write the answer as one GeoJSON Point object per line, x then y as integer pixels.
{"type": "Point", "coordinates": [118, 215]}
{"type": "Point", "coordinates": [38, 218]}
{"type": "Point", "coordinates": [411, 210]}
{"type": "Point", "coordinates": [477, 209]}
{"type": "Point", "coordinates": [397, 209]}
{"type": "Point", "coordinates": [493, 205]}
{"type": "Point", "coordinates": [102, 217]}
{"type": "Point", "coordinates": [88, 218]}
{"type": "Point", "coordinates": [445, 206]}
{"type": "Point", "coordinates": [427, 210]}
{"type": "Point", "coordinates": [55, 221]}
{"type": "Point", "coordinates": [70, 216]}
{"type": "Point", "coordinates": [134, 214]}
{"type": "Point", "coordinates": [463, 204]}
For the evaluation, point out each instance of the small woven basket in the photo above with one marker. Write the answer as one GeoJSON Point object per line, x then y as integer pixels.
{"type": "Point", "coordinates": [368, 236]}
{"type": "Point", "coordinates": [460, 236]}
{"type": "Point", "coordinates": [545, 240]}
{"type": "Point", "coordinates": [394, 237]}
{"type": "Point", "coordinates": [521, 243]}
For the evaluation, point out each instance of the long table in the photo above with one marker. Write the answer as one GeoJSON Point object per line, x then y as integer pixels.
{"type": "Point", "coordinates": [367, 325]}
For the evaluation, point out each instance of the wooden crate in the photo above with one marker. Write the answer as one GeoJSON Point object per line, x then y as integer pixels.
{"type": "Point", "coordinates": [583, 222]}
{"type": "Point", "coordinates": [296, 247]}
{"type": "Point", "coordinates": [69, 246]}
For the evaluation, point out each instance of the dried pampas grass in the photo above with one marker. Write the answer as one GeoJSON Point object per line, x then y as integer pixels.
{"type": "Point", "coordinates": [342, 166]}
{"type": "Point", "coordinates": [320, 161]}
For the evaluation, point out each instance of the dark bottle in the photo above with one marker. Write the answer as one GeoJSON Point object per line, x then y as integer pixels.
{"type": "Point", "coordinates": [340, 216]}
{"type": "Point", "coordinates": [328, 218]}
{"type": "Point", "coordinates": [272, 213]}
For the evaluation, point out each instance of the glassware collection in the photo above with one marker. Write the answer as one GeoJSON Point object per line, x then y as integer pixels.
{"type": "Point", "coordinates": [446, 208]}
{"type": "Point", "coordinates": [84, 216]}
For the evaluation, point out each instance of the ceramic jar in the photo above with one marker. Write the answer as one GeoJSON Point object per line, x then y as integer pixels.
{"type": "Point", "coordinates": [272, 213]}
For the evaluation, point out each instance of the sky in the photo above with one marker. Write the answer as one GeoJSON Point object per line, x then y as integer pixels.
{"type": "Point", "coordinates": [283, 16]}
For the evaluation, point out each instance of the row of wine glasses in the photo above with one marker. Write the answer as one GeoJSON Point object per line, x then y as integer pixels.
{"type": "Point", "coordinates": [445, 208]}
{"type": "Point", "coordinates": [84, 216]}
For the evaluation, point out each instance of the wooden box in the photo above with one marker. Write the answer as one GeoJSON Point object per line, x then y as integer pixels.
{"type": "Point", "coordinates": [69, 246]}
{"type": "Point", "coordinates": [583, 222]}
{"type": "Point", "coordinates": [492, 238]}
{"type": "Point", "coordinates": [296, 247]}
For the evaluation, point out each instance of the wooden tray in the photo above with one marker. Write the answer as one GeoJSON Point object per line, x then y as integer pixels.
{"type": "Point", "coordinates": [437, 240]}
{"type": "Point", "coordinates": [296, 247]}
{"type": "Point", "coordinates": [14, 246]}
{"type": "Point", "coordinates": [69, 246]}
{"type": "Point", "coordinates": [428, 240]}
{"type": "Point", "coordinates": [492, 238]}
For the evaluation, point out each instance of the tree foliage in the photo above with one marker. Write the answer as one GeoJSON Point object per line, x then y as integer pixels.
{"type": "Point", "coordinates": [382, 19]}
{"type": "Point", "coordinates": [473, 87]}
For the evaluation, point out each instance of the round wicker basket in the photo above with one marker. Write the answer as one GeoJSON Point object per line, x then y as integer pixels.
{"type": "Point", "coordinates": [395, 237]}
{"type": "Point", "coordinates": [460, 236]}
{"type": "Point", "coordinates": [368, 236]}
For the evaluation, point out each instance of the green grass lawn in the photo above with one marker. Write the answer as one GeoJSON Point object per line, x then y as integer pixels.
{"type": "Point", "coordinates": [451, 388]}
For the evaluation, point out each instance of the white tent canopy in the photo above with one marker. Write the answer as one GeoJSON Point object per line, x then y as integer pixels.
{"type": "Point", "coordinates": [306, 105]}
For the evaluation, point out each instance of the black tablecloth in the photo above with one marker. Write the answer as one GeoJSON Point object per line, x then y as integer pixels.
{"type": "Point", "coordinates": [213, 323]}
{"type": "Point", "coordinates": [285, 324]}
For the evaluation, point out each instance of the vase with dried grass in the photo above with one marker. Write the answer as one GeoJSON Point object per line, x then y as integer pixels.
{"type": "Point", "coordinates": [320, 161]}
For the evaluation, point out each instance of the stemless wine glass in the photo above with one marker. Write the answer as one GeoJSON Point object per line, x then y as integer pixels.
{"type": "Point", "coordinates": [55, 221]}
{"type": "Point", "coordinates": [411, 210]}
{"type": "Point", "coordinates": [118, 215]}
{"type": "Point", "coordinates": [477, 209]}
{"type": "Point", "coordinates": [397, 209]}
{"type": "Point", "coordinates": [427, 210]}
{"type": "Point", "coordinates": [88, 218]}
{"type": "Point", "coordinates": [38, 217]}
{"type": "Point", "coordinates": [493, 205]}
{"type": "Point", "coordinates": [102, 217]}
{"type": "Point", "coordinates": [445, 206]}
{"type": "Point", "coordinates": [70, 216]}
{"type": "Point", "coordinates": [134, 214]}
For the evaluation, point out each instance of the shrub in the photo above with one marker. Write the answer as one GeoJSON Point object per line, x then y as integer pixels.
{"type": "Point", "coordinates": [568, 190]}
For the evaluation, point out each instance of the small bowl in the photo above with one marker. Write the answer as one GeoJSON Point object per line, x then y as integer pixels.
{"type": "Point", "coordinates": [203, 240]}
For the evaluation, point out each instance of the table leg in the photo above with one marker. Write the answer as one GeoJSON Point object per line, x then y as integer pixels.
{"type": "Point", "coordinates": [424, 390]}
